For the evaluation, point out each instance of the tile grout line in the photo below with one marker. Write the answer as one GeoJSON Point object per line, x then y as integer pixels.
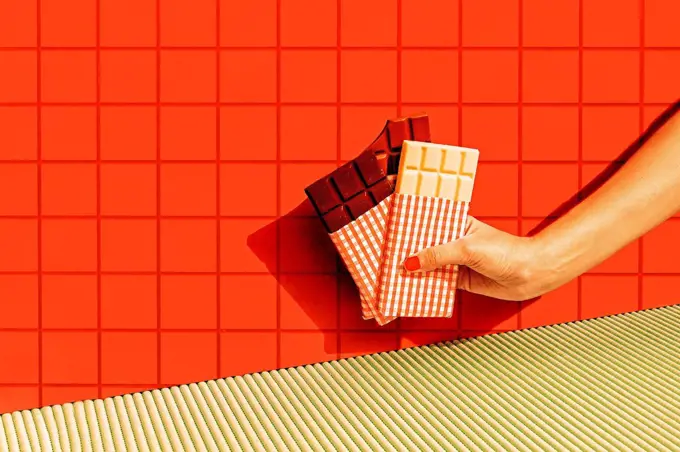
{"type": "Point", "coordinates": [352, 48]}
{"type": "Point", "coordinates": [642, 130]}
{"type": "Point", "coordinates": [278, 183]}
{"type": "Point", "coordinates": [218, 199]}
{"type": "Point", "coordinates": [323, 104]}
{"type": "Point", "coordinates": [338, 112]}
{"type": "Point", "coordinates": [39, 189]}
{"type": "Point", "coordinates": [579, 279]}
{"type": "Point", "coordinates": [520, 110]}
{"type": "Point", "coordinates": [158, 193]}
{"type": "Point", "coordinates": [100, 356]}
{"type": "Point", "coordinates": [461, 301]}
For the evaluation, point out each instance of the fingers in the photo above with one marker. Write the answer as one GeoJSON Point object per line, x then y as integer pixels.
{"type": "Point", "coordinates": [451, 253]}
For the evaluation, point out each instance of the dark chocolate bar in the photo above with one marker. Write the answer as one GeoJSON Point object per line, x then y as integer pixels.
{"type": "Point", "coordinates": [357, 186]}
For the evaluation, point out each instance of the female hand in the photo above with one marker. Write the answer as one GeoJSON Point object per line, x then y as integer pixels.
{"type": "Point", "coordinates": [492, 262]}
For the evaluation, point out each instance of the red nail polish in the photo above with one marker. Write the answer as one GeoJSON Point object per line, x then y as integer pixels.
{"type": "Point", "coordinates": [412, 263]}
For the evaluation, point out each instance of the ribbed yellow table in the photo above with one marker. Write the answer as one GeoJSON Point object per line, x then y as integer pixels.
{"type": "Point", "coordinates": [605, 384]}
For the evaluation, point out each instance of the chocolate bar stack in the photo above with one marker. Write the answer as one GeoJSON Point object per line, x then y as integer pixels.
{"type": "Point", "coordinates": [365, 218]}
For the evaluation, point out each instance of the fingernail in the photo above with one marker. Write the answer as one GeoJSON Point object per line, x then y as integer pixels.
{"type": "Point", "coordinates": [412, 263]}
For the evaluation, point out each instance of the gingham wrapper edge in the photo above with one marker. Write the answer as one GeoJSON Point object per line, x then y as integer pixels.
{"type": "Point", "coordinates": [360, 245]}
{"type": "Point", "coordinates": [416, 223]}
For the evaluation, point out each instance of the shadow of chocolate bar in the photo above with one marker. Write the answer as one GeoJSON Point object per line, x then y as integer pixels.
{"type": "Point", "coordinates": [361, 184]}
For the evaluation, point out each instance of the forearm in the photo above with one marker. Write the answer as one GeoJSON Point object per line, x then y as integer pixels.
{"type": "Point", "coordinates": [640, 196]}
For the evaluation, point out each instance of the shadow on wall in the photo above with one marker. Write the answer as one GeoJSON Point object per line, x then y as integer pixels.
{"type": "Point", "coordinates": [311, 275]}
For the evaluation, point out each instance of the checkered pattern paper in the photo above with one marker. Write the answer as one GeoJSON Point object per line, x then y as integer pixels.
{"type": "Point", "coordinates": [360, 245]}
{"type": "Point", "coordinates": [415, 223]}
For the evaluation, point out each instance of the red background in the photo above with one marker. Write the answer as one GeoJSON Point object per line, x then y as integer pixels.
{"type": "Point", "coordinates": [153, 156]}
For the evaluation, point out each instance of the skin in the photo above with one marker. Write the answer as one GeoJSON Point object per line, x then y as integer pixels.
{"type": "Point", "coordinates": [642, 194]}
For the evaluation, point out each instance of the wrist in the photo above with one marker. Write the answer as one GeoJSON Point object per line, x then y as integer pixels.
{"type": "Point", "coordinates": [546, 266]}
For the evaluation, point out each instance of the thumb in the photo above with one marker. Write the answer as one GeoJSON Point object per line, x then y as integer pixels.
{"type": "Point", "coordinates": [452, 253]}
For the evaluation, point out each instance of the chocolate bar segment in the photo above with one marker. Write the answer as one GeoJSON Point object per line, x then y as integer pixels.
{"type": "Point", "coordinates": [349, 191]}
{"type": "Point", "coordinates": [357, 186]}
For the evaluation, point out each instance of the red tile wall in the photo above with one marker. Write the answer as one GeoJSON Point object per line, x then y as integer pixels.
{"type": "Point", "coordinates": [153, 229]}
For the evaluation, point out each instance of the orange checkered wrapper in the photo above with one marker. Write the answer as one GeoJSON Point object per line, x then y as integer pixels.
{"type": "Point", "coordinates": [360, 245]}
{"type": "Point", "coordinates": [430, 208]}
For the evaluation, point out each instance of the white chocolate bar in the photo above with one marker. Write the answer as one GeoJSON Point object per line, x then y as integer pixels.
{"type": "Point", "coordinates": [437, 170]}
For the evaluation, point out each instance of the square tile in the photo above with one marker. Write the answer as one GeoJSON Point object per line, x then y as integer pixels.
{"type": "Point", "coordinates": [188, 245]}
{"type": "Point", "coordinates": [305, 247]}
{"type": "Point", "coordinates": [127, 22]}
{"type": "Point", "coordinates": [188, 189]}
{"type": "Point", "coordinates": [611, 76]}
{"type": "Point", "coordinates": [69, 301]}
{"type": "Point", "coordinates": [18, 26]}
{"type": "Point", "coordinates": [660, 23]}
{"type": "Point", "coordinates": [550, 76]}
{"type": "Point", "coordinates": [188, 133]}
{"type": "Point", "coordinates": [69, 245]}
{"type": "Point", "coordinates": [487, 314]}
{"type": "Point", "coordinates": [369, 24]}
{"type": "Point", "coordinates": [248, 75]}
{"type": "Point", "coordinates": [309, 133]}
{"type": "Point", "coordinates": [295, 177]}
{"type": "Point", "coordinates": [655, 255]}
{"type": "Point", "coordinates": [21, 295]}
{"type": "Point", "coordinates": [19, 132]}
{"type": "Point", "coordinates": [608, 295]}
{"type": "Point", "coordinates": [127, 133]}
{"type": "Point", "coordinates": [299, 29]}
{"type": "Point", "coordinates": [128, 245]}
{"type": "Point", "coordinates": [661, 75]}
{"type": "Point", "coordinates": [69, 133]}
{"type": "Point", "coordinates": [430, 23]}
{"type": "Point", "coordinates": [198, 352]}
{"type": "Point", "coordinates": [309, 76]}
{"type": "Point", "coordinates": [248, 245]}
{"type": "Point", "coordinates": [536, 177]}
{"type": "Point", "coordinates": [69, 189]}
{"type": "Point", "coordinates": [128, 75]}
{"type": "Point", "coordinates": [129, 301]}
{"type": "Point", "coordinates": [239, 196]}
{"type": "Point", "coordinates": [69, 76]}
{"type": "Point", "coordinates": [558, 306]}
{"type": "Point", "coordinates": [418, 85]}
{"type": "Point", "coordinates": [248, 302]}
{"type": "Point", "coordinates": [359, 127]}
{"type": "Point", "coordinates": [20, 184]}
{"type": "Point", "coordinates": [490, 76]}
{"type": "Point", "coordinates": [368, 76]}
{"type": "Point", "coordinates": [554, 23]}
{"type": "Point", "coordinates": [19, 84]}
{"type": "Point", "coordinates": [503, 120]}
{"type": "Point", "coordinates": [251, 23]}
{"type": "Point", "coordinates": [15, 398]}
{"type": "Point", "coordinates": [188, 301]}
{"type": "Point", "coordinates": [608, 131]}
{"type": "Point", "coordinates": [354, 344]}
{"type": "Point", "coordinates": [69, 357]}
{"type": "Point", "coordinates": [309, 302]}
{"type": "Point", "coordinates": [248, 133]}
{"type": "Point", "coordinates": [188, 23]}
{"type": "Point", "coordinates": [247, 352]}
{"type": "Point", "coordinates": [66, 23]}
{"type": "Point", "coordinates": [550, 133]}
{"type": "Point", "coordinates": [299, 348]}
{"type": "Point", "coordinates": [608, 25]}
{"type": "Point", "coordinates": [129, 358]}
{"type": "Point", "coordinates": [23, 354]}
{"type": "Point", "coordinates": [188, 75]}
{"type": "Point", "coordinates": [128, 189]}
{"type": "Point", "coordinates": [19, 242]}
{"type": "Point", "coordinates": [491, 23]}
{"type": "Point", "coordinates": [655, 290]}
{"type": "Point", "coordinates": [496, 190]}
